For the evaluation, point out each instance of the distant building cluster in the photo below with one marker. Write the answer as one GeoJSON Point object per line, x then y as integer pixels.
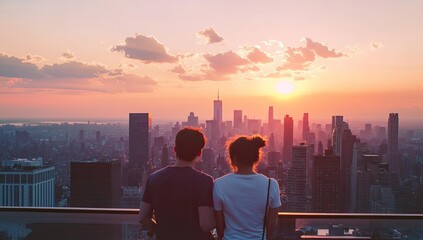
{"type": "Point", "coordinates": [320, 167]}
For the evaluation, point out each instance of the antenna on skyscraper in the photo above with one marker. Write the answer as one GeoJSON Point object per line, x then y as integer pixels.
{"type": "Point", "coordinates": [218, 94]}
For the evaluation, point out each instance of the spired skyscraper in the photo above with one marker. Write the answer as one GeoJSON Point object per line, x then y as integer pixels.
{"type": "Point", "coordinates": [393, 155]}
{"type": "Point", "coordinates": [139, 126]}
{"type": "Point", "coordinates": [217, 113]}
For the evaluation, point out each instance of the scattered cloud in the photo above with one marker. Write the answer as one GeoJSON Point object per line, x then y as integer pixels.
{"type": "Point", "coordinates": [34, 58]}
{"type": "Point", "coordinates": [300, 58]}
{"type": "Point", "coordinates": [17, 74]}
{"type": "Point", "coordinates": [299, 78]}
{"type": "Point", "coordinates": [258, 56]}
{"type": "Point", "coordinates": [375, 45]}
{"type": "Point", "coordinates": [74, 69]}
{"type": "Point", "coordinates": [210, 35]}
{"type": "Point", "coordinates": [178, 69]}
{"type": "Point", "coordinates": [146, 49]}
{"type": "Point", "coordinates": [273, 42]}
{"type": "Point", "coordinates": [13, 67]}
{"type": "Point", "coordinates": [68, 55]}
{"type": "Point", "coordinates": [225, 63]}
{"type": "Point", "coordinates": [322, 50]}
{"type": "Point", "coordinates": [277, 75]}
{"type": "Point", "coordinates": [252, 68]}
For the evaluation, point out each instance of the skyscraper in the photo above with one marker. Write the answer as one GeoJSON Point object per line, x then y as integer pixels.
{"type": "Point", "coordinates": [337, 128]}
{"type": "Point", "coordinates": [296, 187]}
{"type": "Point", "coordinates": [95, 183]}
{"type": "Point", "coordinates": [347, 147]}
{"type": "Point", "coordinates": [192, 120]}
{"type": "Point", "coordinates": [270, 120]}
{"type": "Point", "coordinates": [288, 138]}
{"type": "Point", "coordinates": [237, 119]}
{"type": "Point", "coordinates": [217, 113]}
{"type": "Point", "coordinates": [306, 126]}
{"type": "Point", "coordinates": [393, 155]}
{"type": "Point", "coordinates": [139, 125]}
{"type": "Point", "coordinates": [327, 191]}
{"type": "Point", "coordinates": [26, 183]}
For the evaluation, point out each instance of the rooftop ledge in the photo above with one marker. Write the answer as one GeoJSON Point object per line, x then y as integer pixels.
{"type": "Point", "coordinates": [134, 211]}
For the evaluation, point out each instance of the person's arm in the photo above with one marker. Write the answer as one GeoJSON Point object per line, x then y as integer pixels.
{"type": "Point", "coordinates": [145, 217]}
{"type": "Point", "coordinates": [220, 224]}
{"type": "Point", "coordinates": [205, 206]}
{"type": "Point", "coordinates": [207, 220]}
{"type": "Point", "coordinates": [272, 220]}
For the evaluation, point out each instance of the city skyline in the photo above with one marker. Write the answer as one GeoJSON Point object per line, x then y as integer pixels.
{"type": "Point", "coordinates": [103, 59]}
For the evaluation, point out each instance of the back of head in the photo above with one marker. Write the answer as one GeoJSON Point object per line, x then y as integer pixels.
{"type": "Point", "coordinates": [188, 143]}
{"type": "Point", "coordinates": [245, 151]}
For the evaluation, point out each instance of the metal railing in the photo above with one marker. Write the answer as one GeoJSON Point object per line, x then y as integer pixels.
{"type": "Point", "coordinates": [115, 223]}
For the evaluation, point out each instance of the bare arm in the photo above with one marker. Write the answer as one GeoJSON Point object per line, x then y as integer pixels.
{"type": "Point", "coordinates": [145, 216]}
{"type": "Point", "coordinates": [220, 221]}
{"type": "Point", "coordinates": [271, 223]}
{"type": "Point", "coordinates": [207, 220]}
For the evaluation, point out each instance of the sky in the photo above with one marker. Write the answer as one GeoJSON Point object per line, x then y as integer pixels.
{"type": "Point", "coordinates": [105, 59]}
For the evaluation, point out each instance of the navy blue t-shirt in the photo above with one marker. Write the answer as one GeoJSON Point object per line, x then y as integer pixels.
{"type": "Point", "coordinates": [175, 193]}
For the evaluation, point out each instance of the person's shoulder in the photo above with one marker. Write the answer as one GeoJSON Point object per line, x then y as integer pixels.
{"type": "Point", "coordinates": [158, 173]}
{"type": "Point", "coordinates": [202, 175]}
{"type": "Point", "coordinates": [223, 178]}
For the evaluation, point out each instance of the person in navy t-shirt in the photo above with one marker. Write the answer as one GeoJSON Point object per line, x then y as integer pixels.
{"type": "Point", "coordinates": [179, 197]}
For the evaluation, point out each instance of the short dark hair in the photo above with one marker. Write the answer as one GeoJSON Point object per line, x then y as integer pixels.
{"type": "Point", "coordinates": [246, 150]}
{"type": "Point", "coordinates": [188, 143]}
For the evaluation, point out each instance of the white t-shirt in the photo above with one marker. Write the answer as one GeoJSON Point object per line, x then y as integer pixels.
{"type": "Point", "coordinates": [242, 198]}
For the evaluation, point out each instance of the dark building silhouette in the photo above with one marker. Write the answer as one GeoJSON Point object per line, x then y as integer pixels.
{"type": "Point", "coordinates": [296, 186]}
{"type": "Point", "coordinates": [270, 120]}
{"type": "Point", "coordinates": [192, 120]}
{"type": "Point", "coordinates": [139, 125]}
{"type": "Point", "coordinates": [217, 114]}
{"type": "Point", "coordinates": [347, 146]}
{"type": "Point", "coordinates": [165, 156]}
{"type": "Point", "coordinates": [97, 136]}
{"type": "Point", "coordinates": [81, 135]}
{"type": "Point", "coordinates": [237, 119]}
{"type": "Point", "coordinates": [95, 183]}
{"type": "Point", "coordinates": [288, 138]}
{"type": "Point", "coordinates": [337, 129]}
{"type": "Point", "coordinates": [327, 192]}
{"type": "Point", "coordinates": [393, 155]}
{"type": "Point", "coordinates": [306, 126]}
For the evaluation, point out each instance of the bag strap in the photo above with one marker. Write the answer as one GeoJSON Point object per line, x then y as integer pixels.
{"type": "Point", "coordinates": [266, 209]}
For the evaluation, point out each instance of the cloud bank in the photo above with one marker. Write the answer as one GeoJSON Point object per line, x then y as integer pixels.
{"type": "Point", "coordinates": [72, 75]}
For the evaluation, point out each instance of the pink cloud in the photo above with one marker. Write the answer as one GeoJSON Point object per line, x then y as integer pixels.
{"type": "Point", "coordinates": [178, 69]}
{"type": "Point", "coordinates": [300, 58]}
{"type": "Point", "coordinates": [210, 35]}
{"type": "Point", "coordinates": [225, 63]}
{"type": "Point", "coordinates": [322, 50]}
{"type": "Point", "coordinates": [15, 73]}
{"type": "Point", "coordinates": [146, 49]}
{"type": "Point", "coordinates": [258, 56]}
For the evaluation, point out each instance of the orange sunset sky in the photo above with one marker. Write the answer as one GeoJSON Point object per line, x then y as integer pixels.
{"type": "Point", "coordinates": [104, 59]}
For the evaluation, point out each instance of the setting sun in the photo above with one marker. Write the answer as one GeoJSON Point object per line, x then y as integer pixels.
{"type": "Point", "coordinates": [284, 87]}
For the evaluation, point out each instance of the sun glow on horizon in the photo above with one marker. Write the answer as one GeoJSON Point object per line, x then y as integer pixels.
{"type": "Point", "coordinates": [284, 87]}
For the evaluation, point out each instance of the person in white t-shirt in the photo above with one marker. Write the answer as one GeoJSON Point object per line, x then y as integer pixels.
{"type": "Point", "coordinates": [240, 197]}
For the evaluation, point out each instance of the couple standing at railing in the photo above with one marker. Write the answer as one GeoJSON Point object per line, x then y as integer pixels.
{"type": "Point", "coordinates": [187, 204]}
